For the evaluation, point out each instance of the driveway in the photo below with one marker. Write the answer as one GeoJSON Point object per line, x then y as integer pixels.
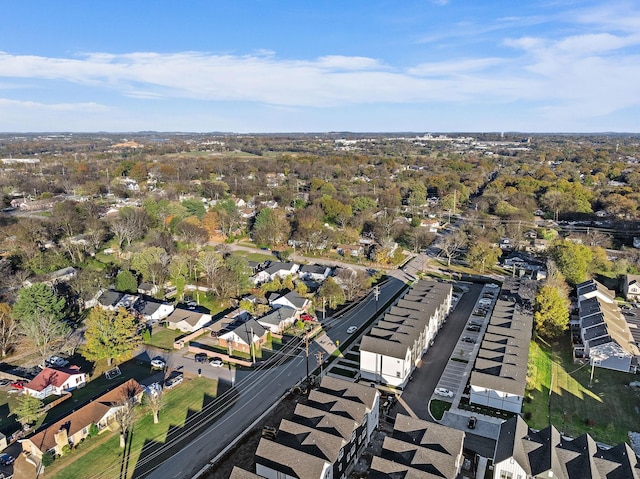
{"type": "Point", "coordinates": [416, 396]}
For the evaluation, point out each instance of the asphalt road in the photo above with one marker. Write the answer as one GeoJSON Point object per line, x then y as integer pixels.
{"type": "Point", "coordinates": [252, 395]}
{"type": "Point", "coordinates": [415, 397]}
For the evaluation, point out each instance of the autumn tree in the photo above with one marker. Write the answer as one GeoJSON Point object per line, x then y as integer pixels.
{"type": "Point", "coordinates": [151, 263]}
{"type": "Point", "coordinates": [8, 329]}
{"type": "Point", "coordinates": [551, 314]}
{"type": "Point", "coordinates": [40, 312]}
{"type": "Point", "coordinates": [481, 255]}
{"type": "Point", "coordinates": [573, 260]}
{"type": "Point", "coordinates": [110, 335]}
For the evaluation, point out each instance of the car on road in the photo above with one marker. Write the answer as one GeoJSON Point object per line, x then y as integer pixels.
{"type": "Point", "coordinates": [55, 362]}
{"type": "Point", "coordinates": [352, 329]}
{"type": "Point", "coordinates": [471, 424]}
{"type": "Point", "coordinates": [473, 327]}
{"type": "Point", "coordinates": [468, 339]}
{"type": "Point", "coordinates": [158, 363]}
{"type": "Point", "coordinates": [216, 362]}
{"type": "Point", "coordinates": [201, 357]}
{"type": "Point", "coordinates": [443, 392]}
{"type": "Point", "coordinates": [6, 459]}
{"type": "Point", "coordinates": [175, 378]}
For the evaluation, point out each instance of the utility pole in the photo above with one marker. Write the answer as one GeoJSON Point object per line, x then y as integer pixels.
{"type": "Point", "coordinates": [324, 311]}
{"type": "Point", "coordinates": [253, 352]}
{"type": "Point", "coordinates": [376, 293]}
{"type": "Point", "coordinates": [306, 348]}
{"type": "Point", "coordinates": [319, 357]}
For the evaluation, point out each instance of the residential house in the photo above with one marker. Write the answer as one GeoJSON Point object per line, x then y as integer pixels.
{"type": "Point", "coordinates": [314, 272]}
{"type": "Point", "coordinates": [113, 300]}
{"type": "Point", "coordinates": [432, 225]}
{"type": "Point", "coordinates": [242, 335]}
{"type": "Point", "coordinates": [293, 300]}
{"type": "Point", "coordinates": [239, 473]}
{"type": "Point", "coordinates": [606, 336]}
{"type": "Point", "coordinates": [419, 449]}
{"type": "Point", "coordinates": [148, 288]}
{"type": "Point", "coordinates": [64, 274]}
{"type": "Point", "coordinates": [354, 251]}
{"type": "Point", "coordinates": [55, 381]}
{"type": "Point", "coordinates": [631, 287]}
{"type": "Point", "coordinates": [275, 270]}
{"type": "Point", "coordinates": [278, 320]}
{"type": "Point", "coordinates": [527, 453]}
{"type": "Point", "coordinates": [187, 320]}
{"type": "Point", "coordinates": [326, 435]}
{"type": "Point", "coordinates": [390, 351]}
{"type": "Point", "coordinates": [152, 310]}
{"type": "Point", "coordinates": [73, 428]}
{"type": "Point", "coordinates": [499, 374]}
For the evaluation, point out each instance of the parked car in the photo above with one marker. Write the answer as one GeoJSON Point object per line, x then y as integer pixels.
{"type": "Point", "coordinates": [216, 362]}
{"type": "Point", "coordinates": [6, 459]}
{"type": "Point", "coordinates": [443, 392]}
{"type": "Point", "coordinates": [158, 363]}
{"type": "Point", "coordinates": [18, 384]}
{"type": "Point", "coordinates": [55, 362]}
{"type": "Point", "coordinates": [352, 329]}
{"type": "Point", "coordinates": [475, 322]}
{"type": "Point", "coordinates": [472, 422]}
{"type": "Point", "coordinates": [5, 382]}
{"type": "Point", "coordinates": [473, 327]}
{"type": "Point", "coordinates": [175, 378]}
{"type": "Point", "coordinates": [307, 317]}
{"type": "Point", "coordinates": [201, 357]}
{"type": "Point", "coordinates": [468, 339]}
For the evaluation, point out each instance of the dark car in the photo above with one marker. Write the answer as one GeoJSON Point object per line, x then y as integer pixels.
{"type": "Point", "coordinates": [468, 339]}
{"type": "Point", "coordinates": [201, 357]}
{"type": "Point", "coordinates": [473, 327]}
{"type": "Point", "coordinates": [6, 459]}
{"type": "Point", "coordinates": [472, 422]}
{"type": "Point", "coordinates": [475, 322]}
{"type": "Point", "coordinates": [5, 382]}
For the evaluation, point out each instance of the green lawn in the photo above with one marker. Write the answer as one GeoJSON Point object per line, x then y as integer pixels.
{"type": "Point", "coordinates": [104, 453]}
{"type": "Point", "coordinates": [607, 409]}
{"type": "Point", "coordinates": [163, 338]}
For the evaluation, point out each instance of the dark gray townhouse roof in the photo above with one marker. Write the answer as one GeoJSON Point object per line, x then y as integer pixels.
{"type": "Point", "coordinates": [325, 422]}
{"type": "Point", "coordinates": [310, 440]}
{"type": "Point", "coordinates": [291, 461]}
{"type": "Point", "coordinates": [361, 393]}
{"type": "Point", "coordinates": [538, 452]}
{"type": "Point", "coordinates": [429, 435]}
{"type": "Point", "coordinates": [110, 298]}
{"type": "Point", "coordinates": [591, 286]}
{"type": "Point", "coordinates": [385, 469]}
{"type": "Point", "coordinates": [239, 473]}
{"type": "Point", "coordinates": [384, 345]}
{"type": "Point", "coordinates": [330, 403]}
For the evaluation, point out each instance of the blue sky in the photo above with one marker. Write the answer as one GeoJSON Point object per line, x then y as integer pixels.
{"type": "Point", "coordinates": [315, 66]}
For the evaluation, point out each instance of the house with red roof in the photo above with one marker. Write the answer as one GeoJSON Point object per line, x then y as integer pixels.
{"type": "Point", "coordinates": [55, 381]}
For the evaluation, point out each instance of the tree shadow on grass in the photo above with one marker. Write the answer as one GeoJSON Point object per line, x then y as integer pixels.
{"type": "Point", "coordinates": [154, 453]}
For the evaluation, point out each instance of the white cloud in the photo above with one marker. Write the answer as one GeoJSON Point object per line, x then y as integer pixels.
{"type": "Point", "coordinates": [7, 104]}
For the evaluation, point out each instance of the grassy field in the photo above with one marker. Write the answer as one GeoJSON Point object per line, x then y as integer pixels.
{"type": "Point", "coordinates": [607, 409]}
{"type": "Point", "coordinates": [163, 338]}
{"type": "Point", "coordinates": [104, 458]}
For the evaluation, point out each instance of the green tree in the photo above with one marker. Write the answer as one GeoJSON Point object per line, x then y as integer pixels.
{"type": "Point", "coordinates": [110, 335]}
{"type": "Point", "coordinates": [551, 314]}
{"type": "Point", "coordinates": [194, 208]}
{"type": "Point", "coordinates": [573, 260]}
{"type": "Point", "coordinates": [40, 313]}
{"type": "Point", "coordinates": [151, 263]}
{"type": "Point", "coordinates": [126, 282]}
{"type": "Point", "coordinates": [271, 228]}
{"type": "Point", "coordinates": [483, 255]}
{"type": "Point", "coordinates": [28, 409]}
{"type": "Point", "coordinates": [332, 293]}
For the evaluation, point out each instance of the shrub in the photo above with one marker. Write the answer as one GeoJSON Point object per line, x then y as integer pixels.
{"type": "Point", "coordinates": [93, 430]}
{"type": "Point", "coordinates": [66, 450]}
{"type": "Point", "coordinates": [47, 459]}
{"type": "Point", "coordinates": [528, 415]}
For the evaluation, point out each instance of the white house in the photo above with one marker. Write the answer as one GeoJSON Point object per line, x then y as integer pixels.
{"type": "Point", "coordinates": [186, 320]}
{"type": "Point", "coordinates": [314, 272]}
{"type": "Point", "coordinates": [275, 270]}
{"type": "Point", "coordinates": [292, 300]}
{"type": "Point", "coordinates": [631, 287]}
{"type": "Point", "coordinates": [279, 319]}
{"type": "Point", "coordinates": [55, 381]}
{"type": "Point", "coordinates": [153, 310]}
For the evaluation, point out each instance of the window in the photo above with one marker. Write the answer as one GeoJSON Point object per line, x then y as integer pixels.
{"type": "Point", "coordinates": [398, 374]}
{"type": "Point", "coordinates": [340, 454]}
{"type": "Point", "coordinates": [506, 475]}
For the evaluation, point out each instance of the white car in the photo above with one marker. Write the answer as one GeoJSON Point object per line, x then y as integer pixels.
{"type": "Point", "coordinates": [352, 329]}
{"type": "Point", "coordinates": [443, 392]}
{"type": "Point", "coordinates": [56, 362]}
{"type": "Point", "coordinates": [216, 362]}
{"type": "Point", "coordinates": [158, 363]}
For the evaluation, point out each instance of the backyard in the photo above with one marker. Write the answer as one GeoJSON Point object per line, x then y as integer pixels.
{"type": "Point", "coordinates": [103, 453]}
{"type": "Point", "coordinates": [560, 393]}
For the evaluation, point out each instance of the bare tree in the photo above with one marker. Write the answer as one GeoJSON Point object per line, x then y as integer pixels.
{"type": "Point", "coordinates": [124, 415]}
{"type": "Point", "coordinates": [211, 263]}
{"type": "Point", "coordinates": [8, 329]}
{"type": "Point", "coordinates": [155, 402]}
{"type": "Point", "coordinates": [130, 225]}
{"type": "Point", "coordinates": [353, 282]}
{"type": "Point", "coordinates": [449, 244]}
